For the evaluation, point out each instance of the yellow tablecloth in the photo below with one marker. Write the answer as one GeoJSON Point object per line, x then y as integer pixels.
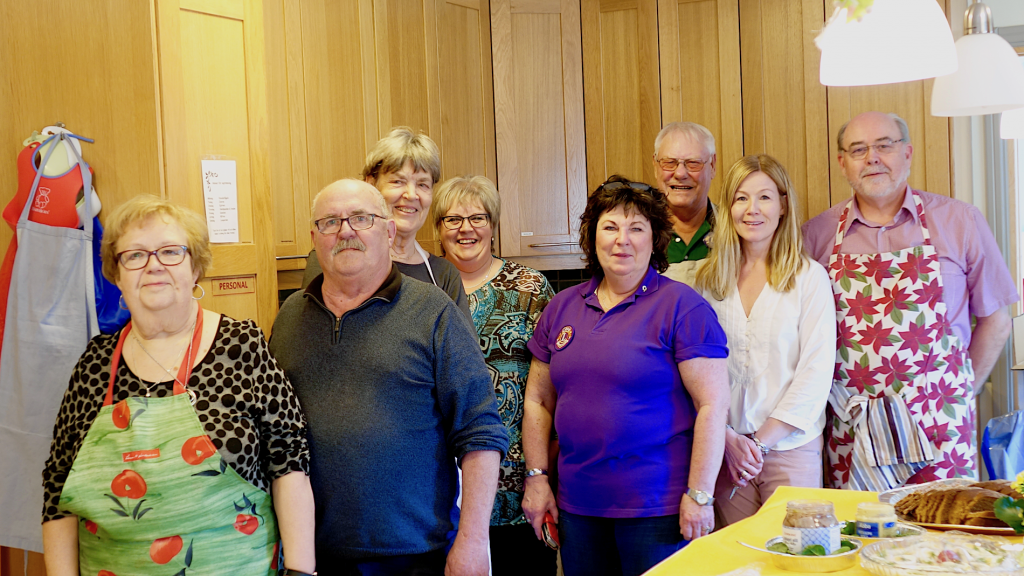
{"type": "Point", "coordinates": [719, 553]}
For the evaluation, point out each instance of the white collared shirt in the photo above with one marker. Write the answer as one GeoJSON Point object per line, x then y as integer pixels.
{"type": "Point", "coordinates": [781, 358]}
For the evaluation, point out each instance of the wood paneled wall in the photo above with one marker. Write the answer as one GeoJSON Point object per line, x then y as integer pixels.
{"type": "Point", "coordinates": [787, 115]}
{"type": "Point", "coordinates": [99, 80]}
{"type": "Point", "coordinates": [344, 73]}
{"type": "Point", "coordinates": [621, 88]}
{"type": "Point", "coordinates": [700, 72]}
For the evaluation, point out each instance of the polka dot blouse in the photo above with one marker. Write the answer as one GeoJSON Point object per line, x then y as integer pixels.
{"type": "Point", "coordinates": [246, 405]}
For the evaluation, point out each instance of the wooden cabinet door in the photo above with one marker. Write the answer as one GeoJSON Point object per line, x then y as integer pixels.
{"type": "Point", "coordinates": [784, 104]}
{"type": "Point", "coordinates": [621, 88]}
{"type": "Point", "coordinates": [434, 75]}
{"type": "Point", "coordinates": [539, 126]}
{"type": "Point", "coordinates": [322, 102]}
{"type": "Point", "coordinates": [213, 94]}
{"type": "Point", "coordinates": [700, 72]}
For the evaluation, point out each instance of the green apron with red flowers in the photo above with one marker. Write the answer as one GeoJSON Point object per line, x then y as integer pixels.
{"type": "Point", "coordinates": [902, 398]}
{"type": "Point", "coordinates": [153, 495]}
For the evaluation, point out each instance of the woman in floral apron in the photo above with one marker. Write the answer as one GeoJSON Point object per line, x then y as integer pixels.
{"type": "Point", "coordinates": [173, 430]}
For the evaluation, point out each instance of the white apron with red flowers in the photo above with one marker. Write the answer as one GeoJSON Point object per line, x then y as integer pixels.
{"type": "Point", "coordinates": [902, 397]}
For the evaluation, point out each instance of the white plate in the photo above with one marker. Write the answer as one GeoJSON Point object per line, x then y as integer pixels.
{"type": "Point", "coordinates": [895, 495]}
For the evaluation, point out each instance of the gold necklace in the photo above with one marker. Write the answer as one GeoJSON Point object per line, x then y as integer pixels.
{"type": "Point", "coordinates": [490, 275]}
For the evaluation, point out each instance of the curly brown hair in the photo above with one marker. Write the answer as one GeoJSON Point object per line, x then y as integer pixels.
{"type": "Point", "coordinates": [632, 196]}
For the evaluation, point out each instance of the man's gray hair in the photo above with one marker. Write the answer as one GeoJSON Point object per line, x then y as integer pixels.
{"type": "Point", "coordinates": [378, 197]}
{"type": "Point", "coordinates": [900, 122]}
{"type": "Point", "coordinates": [691, 130]}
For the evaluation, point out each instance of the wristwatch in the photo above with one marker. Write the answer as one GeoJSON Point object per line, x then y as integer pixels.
{"type": "Point", "coordinates": [536, 472]}
{"type": "Point", "coordinates": [701, 497]}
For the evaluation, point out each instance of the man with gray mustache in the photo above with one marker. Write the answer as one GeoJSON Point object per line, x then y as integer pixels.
{"type": "Point", "coordinates": [909, 270]}
{"type": "Point", "coordinates": [395, 389]}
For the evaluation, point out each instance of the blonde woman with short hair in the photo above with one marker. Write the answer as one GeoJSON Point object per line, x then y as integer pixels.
{"type": "Point", "coordinates": [776, 307]}
{"type": "Point", "coordinates": [506, 300]}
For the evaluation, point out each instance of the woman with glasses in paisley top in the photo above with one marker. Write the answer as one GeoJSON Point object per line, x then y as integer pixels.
{"type": "Point", "coordinates": [505, 300]}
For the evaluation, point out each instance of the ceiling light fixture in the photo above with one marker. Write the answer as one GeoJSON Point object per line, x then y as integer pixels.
{"type": "Point", "coordinates": [990, 78]}
{"type": "Point", "coordinates": [885, 41]}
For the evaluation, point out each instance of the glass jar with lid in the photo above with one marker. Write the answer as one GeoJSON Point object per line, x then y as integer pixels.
{"type": "Point", "coordinates": [809, 523]}
{"type": "Point", "coordinates": [876, 520]}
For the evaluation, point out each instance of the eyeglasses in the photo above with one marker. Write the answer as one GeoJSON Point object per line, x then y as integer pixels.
{"type": "Point", "coordinates": [476, 221]}
{"type": "Point", "coordinates": [691, 164]}
{"type": "Point", "coordinates": [634, 185]}
{"type": "Point", "coordinates": [333, 224]}
{"type": "Point", "coordinates": [139, 259]}
{"type": "Point", "coordinates": [885, 147]}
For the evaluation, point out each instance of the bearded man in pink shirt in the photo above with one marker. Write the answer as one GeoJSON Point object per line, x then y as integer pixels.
{"type": "Point", "coordinates": [909, 269]}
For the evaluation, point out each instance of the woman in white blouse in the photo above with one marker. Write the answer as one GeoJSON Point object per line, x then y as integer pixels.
{"type": "Point", "coordinates": [776, 307]}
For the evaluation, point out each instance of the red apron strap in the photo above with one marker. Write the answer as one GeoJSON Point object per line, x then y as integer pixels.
{"type": "Point", "coordinates": [183, 371]}
{"type": "Point", "coordinates": [193, 350]}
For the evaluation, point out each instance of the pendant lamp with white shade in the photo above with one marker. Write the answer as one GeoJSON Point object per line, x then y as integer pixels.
{"type": "Point", "coordinates": [894, 41]}
{"type": "Point", "coordinates": [990, 78]}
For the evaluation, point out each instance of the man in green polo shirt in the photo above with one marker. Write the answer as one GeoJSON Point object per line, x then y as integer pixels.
{"type": "Point", "coordinates": [685, 162]}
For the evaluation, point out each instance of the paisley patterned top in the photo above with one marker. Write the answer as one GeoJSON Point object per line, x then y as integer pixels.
{"type": "Point", "coordinates": [505, 312]}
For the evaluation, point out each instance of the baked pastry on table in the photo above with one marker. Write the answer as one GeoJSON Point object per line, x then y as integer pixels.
{"type": "Point", "coordinates": [970, 505]}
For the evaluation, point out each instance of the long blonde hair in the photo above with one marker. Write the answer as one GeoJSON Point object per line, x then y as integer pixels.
{"type": "Point", "coordinates": [721, 269]}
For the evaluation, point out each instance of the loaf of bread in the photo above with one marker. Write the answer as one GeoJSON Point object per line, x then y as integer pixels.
{"type": "Point", "coordinates": [1004, 487]}
{"type": "Point", "coordinates": [970, 505]}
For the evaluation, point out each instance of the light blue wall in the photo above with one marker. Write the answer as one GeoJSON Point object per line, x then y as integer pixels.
{"type": "Point", "coordinates": [1007, 12]}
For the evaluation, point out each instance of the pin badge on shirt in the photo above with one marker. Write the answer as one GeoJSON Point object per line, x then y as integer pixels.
{"type": "Point", "coordinates": [564, 337]}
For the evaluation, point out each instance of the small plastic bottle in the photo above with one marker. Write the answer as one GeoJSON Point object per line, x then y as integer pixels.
{"type": "Point", "coordinates": [876, 520]}
{"type": "Point", "coordinates": [810, 522]}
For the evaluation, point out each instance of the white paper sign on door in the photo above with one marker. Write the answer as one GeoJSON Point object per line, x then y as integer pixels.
{"type": "Point", "coordinates": [220, 192]}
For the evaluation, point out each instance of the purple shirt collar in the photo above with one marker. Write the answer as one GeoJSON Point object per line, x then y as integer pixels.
{"type": "Point", "coordinates": [649, 285]}
{"type": "Point", "coordinates": [908, 207]}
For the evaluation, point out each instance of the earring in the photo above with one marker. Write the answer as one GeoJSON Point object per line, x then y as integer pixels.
{"type": "Point", "coordinates": [121, 303]}
{"type": "Point", "coordinates": [201, 295]}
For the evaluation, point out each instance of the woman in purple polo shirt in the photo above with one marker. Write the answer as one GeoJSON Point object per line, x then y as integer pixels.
{"type": "Point", "coordinates": [776, 306]}
{"type": "Point", "coordinates": [635, 364]}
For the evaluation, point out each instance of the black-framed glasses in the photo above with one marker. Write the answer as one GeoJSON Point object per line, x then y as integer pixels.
{"type": "Point", "coordinates": [167, 255]}
{"type": "Point", "coordinates": [884, 147]}
{"type": "Point", "coordinates": [475, 220]}
{"type": "Point", "coordinates": [691, 164]}
{"type": "Point", "coordinates": [333, 224]}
